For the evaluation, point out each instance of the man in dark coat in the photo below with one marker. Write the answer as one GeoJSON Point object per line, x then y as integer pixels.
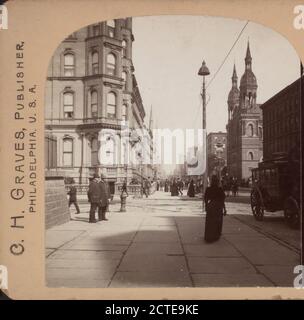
{"type": "Point", "coordinates": [104, 198]}
{"type": "Point", "coordinates": [73, 196]}
{"type": "Point", "coordinates": [94, 196]}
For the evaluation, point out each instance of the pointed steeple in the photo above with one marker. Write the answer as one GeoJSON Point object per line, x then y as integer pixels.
{"type": "Point", "coordinates": [234, 77]}
{"type": "Point", "coordinates": [234, 94]}
{"type": "Point", "coordinates": [248, 58]}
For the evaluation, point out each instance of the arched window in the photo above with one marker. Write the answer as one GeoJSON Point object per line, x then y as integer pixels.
{"type": "Point", "coordinates": [111, 64]}
{"type": "Point", "coordinates": [250, 156]}
{"type": "Point", "coordinates": [111, 105]}
{"type": "Point", "coordinates": [94, 104]}
{"type": "Point", "coordinates": [69, 65]}
{"type": "Point", "coordinates": [95, 63]}
{"type": "Point", "coordinates": [67, 152]}
{"type": "Point", "coordinates": [250, 130]}
{"type": "Point", "coordinates": [68, 105]}
{"type": "Point", "coordinates": [124, 47]}
{"type": "Point", "coordinates": [124, 113]}
{"type": "Point", "coordinates": [124, 76]}
{"type": "Point", "coordinates": [94, 152]}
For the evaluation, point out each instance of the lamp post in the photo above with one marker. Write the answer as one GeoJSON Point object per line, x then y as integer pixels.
{"type": "Point", "coordinates": [204, 71]}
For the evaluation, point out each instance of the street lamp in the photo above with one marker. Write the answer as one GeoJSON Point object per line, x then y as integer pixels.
{"type": "Point", "coordinates": [204, 71]}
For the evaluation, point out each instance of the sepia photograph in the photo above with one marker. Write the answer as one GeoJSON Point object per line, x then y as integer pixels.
{"type": "Point", "coordinates": [172, 155]}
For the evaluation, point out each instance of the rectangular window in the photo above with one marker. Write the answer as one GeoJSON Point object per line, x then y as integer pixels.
{"type": "Point", "coordinates": [68, 105]}
{"type": "Point", "coordinates": [69, 65]}
{"type": "Point", "coordinates": [68, 152]}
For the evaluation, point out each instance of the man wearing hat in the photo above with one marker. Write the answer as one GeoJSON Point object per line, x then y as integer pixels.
{"type": "Point", "coordinates": [104, 198]}
{"type": "Point", "coordinates": [94, 196]}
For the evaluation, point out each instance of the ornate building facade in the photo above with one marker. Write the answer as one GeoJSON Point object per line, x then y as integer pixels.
{"type": "Point", "coordinates": [244, 128]}
{"type": "Point", "coordinates": [91, 89]}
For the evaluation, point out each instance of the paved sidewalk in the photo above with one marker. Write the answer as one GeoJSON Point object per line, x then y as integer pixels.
{"type": "Point", "coordinates": [159, 242]}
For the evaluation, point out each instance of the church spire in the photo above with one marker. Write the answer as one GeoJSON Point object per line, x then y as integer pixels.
{"type": "Point", "coordinates": [248, 58]}
{"type": "Point", "coordinates": [234, 77]}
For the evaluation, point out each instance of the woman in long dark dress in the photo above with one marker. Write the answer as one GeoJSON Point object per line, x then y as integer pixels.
{"type": "Point", "coordinates": [215, 209]}
{"type": "Point", "coordinates": [191, 191]}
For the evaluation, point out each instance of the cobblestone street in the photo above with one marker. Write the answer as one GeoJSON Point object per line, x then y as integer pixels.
{"type": "Point", "coordinates": [159, 242]}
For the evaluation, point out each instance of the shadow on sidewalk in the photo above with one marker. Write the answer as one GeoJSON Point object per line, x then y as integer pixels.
{"type": "Point", "coordinates": [166, 251]}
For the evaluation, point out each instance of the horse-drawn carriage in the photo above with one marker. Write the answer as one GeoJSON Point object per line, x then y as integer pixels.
{"type": "Point", "coordinates": [276, 186]}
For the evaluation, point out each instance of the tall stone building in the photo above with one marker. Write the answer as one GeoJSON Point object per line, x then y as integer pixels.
{"type": "Point", "coordinates": [244, 128]}
{"type": "Point", "coordinates": [91, 89]}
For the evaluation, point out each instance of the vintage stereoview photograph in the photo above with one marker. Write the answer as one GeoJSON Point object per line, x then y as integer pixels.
{"type": "Point", "coordinates": [172, 155]}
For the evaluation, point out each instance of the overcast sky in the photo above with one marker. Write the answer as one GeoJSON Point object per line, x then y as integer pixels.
{"type": "Point", "coordinates": [168, 52]}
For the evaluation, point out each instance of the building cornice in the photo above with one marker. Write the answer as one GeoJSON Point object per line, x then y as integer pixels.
{"type": "Point", "coordinates": [63, 78]}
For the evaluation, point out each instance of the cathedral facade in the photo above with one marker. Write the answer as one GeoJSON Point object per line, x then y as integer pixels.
{"type": "Point", "coordinates": [244, 128]}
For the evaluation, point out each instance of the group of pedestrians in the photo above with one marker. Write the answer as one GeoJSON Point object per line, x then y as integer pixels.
{"type": "Point", "coordinates": [214, 199]}
{"type": "Point", "coordinates": [98, 197]}
{"type": "Point", "coordinates": [230, 184]}
{"type": "Point", "coordinates": [176, 186]}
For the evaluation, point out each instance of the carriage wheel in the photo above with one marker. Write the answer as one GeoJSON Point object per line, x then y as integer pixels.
{"type": "Point", "coordinates": [256, 205]}
{"type": "Point", "coordinates": [292, 213]}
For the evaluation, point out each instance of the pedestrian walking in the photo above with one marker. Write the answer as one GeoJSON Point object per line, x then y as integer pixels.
{"type": "Point", "coordinates": [191, 190]}
{"type": "Point", "coordinates": [146, 187]}
{"type": "Point", "coordinates": [215, 209]}
{"type": "Point", "coordinates": [235, 187]}
{"type": "Point", "coordinates": [94, 197]}
{"type": "Point", "coordinates": [73, 196]}
{"type": "Point", "coordinates": [180, 186]}
{"type": "Point", "coordinates": [124, 188]}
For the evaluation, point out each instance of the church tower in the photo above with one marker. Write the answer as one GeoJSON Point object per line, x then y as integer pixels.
{"type": "Point", "coordinates": [248, 85]}
{"type": "Point", "coordinates": [244, 128]}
